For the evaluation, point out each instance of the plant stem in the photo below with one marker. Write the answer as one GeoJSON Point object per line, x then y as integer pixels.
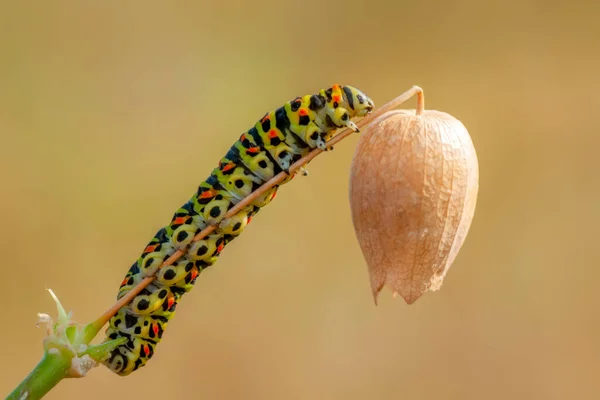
{"type": "Point", "coordinates": [51, 369]}
{"type": "Point", "coordinates": [420, 102]}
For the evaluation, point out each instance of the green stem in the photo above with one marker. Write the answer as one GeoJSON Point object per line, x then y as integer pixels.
{"type": "Point", "coordinates": [51, 369]}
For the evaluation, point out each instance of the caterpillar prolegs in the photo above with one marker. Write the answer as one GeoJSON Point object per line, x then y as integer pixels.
{"type": "Point", "coordinates": [276, 141]}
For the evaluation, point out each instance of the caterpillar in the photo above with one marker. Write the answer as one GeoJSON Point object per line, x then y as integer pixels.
{"type": "Point", "coordinates": [276, 141]}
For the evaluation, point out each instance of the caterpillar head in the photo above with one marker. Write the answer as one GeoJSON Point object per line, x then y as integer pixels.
{"type": "Point", "coordinates": [359, 104]}
{"type": "Point", "coordinates": [344, 103]}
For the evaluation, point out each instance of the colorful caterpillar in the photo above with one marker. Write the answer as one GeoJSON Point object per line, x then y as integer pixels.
{"type": "Point", "coordinates": [277, 140]}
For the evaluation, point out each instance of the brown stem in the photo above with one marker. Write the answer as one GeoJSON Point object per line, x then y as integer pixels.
{"type": "Point", "coordinates": [420, 101]}
{"type": "Point", "coordinates": [415, 90]}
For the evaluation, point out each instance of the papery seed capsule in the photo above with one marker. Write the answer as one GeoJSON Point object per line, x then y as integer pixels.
{"type": "Point", "coordinates": [413, 189]}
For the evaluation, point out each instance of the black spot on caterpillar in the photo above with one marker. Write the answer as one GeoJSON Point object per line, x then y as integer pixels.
{"type": "Point", "coordinates": [276, 141]}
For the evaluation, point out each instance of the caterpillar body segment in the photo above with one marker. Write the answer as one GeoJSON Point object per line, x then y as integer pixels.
{"type": "Point", "coordinates": [272, 145]}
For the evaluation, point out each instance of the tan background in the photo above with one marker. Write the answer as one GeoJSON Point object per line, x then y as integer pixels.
{"type": "Point", "coordinates": [110, 114]}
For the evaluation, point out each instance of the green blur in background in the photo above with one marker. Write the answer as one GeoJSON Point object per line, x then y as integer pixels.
{"type": "Point", "coordinates": [112, 112]}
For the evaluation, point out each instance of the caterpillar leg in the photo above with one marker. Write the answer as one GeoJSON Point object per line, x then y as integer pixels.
{"type": "Point", "coordinates": [207, 250]}
{"type": "Point", "coordinates": [157, 251]}
{"type": "Point", "coordinates": [151, 299]}
{"type": "Point", "coordinates": [341, 118]}
{"type": "Point", "coordinates": [303, 170]}
{"type": "Point", "coordinates": [311, 134]}
{"type": "Point", "coordinates": [181, 275]}
{"type": "Point", "coordinates": [283, 156]}
{"type": "Point", "coordinates": [235, 225]}
{"type": "Point", "coordinates": [214, 211]}
{"type": "Point", "coordinates": [352, 126]}
{"type": "Point", "coordinates": [327, 138]}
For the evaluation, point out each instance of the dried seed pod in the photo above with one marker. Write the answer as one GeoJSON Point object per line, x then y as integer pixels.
{"type": "Point", "coordinates": [413, 188]}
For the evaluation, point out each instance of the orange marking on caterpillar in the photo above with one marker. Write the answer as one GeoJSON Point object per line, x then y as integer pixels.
{"type": "Point", "coordinates": [170, 301]}
{"type": "Point", "coordinates": [228, 167]}
{"type": "Point", "coordinates": [303, 112]}
{"type": "Point", "coordinates": [265, 119]}
{"type": "Point", "coordinates": [272, 133]}
{"type": "Point", "coordinates": [179, 221]}
{"type": "Point", "coordinates": [220, 248]}
{"type": "Point", "coordinates": [336, 98]}
{"type": "Point", "coordinates": [194, 273]}
{"type": "Point", "coordinates": [146, 349]}
{"type": "Point", "coordinates": [208, 194]}
{"type": "Point", "coordinates": [155, 329]}
{"type": "Point", "coordinates": [124, 282]}
{"type": "Point", "coordinates": [253, 150]}
{"type": "Point", "coordinates": [336, 87]}
{"type": "Point", "coordinates": [150, 248]}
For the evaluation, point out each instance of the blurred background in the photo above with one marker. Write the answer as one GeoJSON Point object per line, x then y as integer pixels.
{"type": "Point", "coordinates": [112, 112]}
